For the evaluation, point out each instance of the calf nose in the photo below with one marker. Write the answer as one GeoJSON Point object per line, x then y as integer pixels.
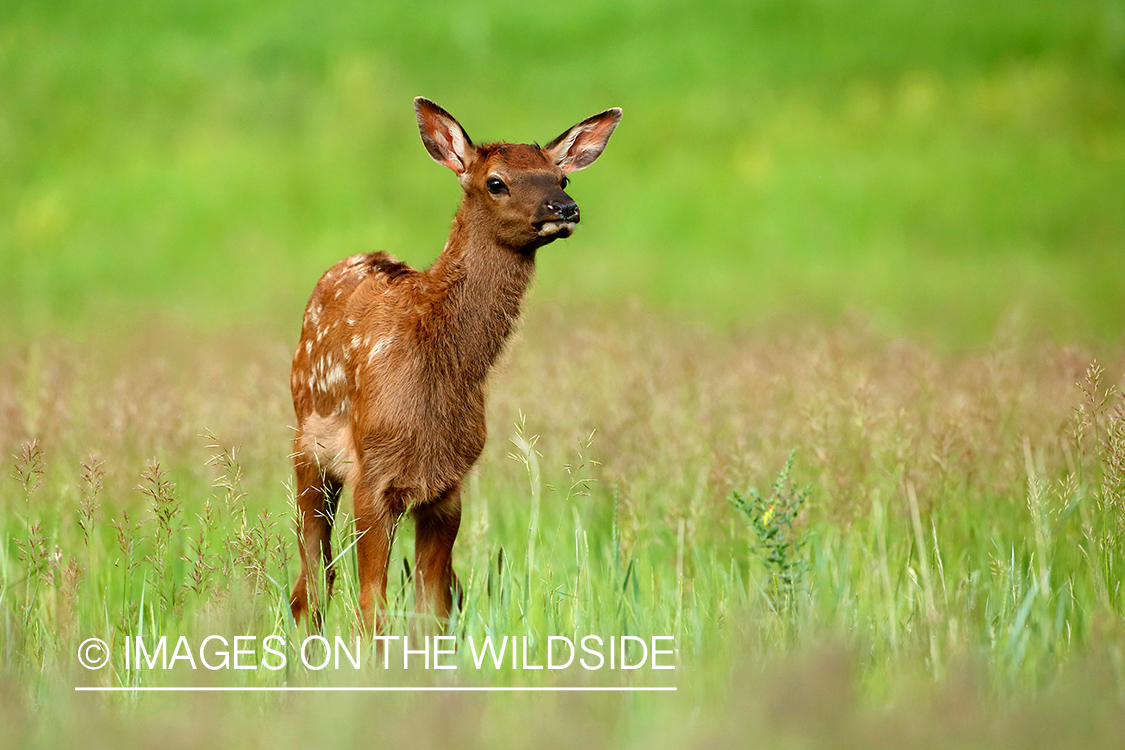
{"type": "Point", "coordinates": [567, 211]}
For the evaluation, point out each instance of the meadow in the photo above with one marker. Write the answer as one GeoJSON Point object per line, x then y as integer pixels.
{"type": "Point", "coordinates": [827, 385]}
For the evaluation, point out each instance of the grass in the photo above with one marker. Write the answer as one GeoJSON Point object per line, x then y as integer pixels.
{"type": "Point", "coordinates": [960, 541]}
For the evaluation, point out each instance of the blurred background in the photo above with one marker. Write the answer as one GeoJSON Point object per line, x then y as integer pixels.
{"type": "Point", "coordinates": [943, 170]}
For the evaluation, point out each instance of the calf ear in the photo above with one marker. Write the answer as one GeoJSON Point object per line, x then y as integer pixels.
{"type": "Point", "coordinates": [443, 136]}
{"type": "Point", "coordinates": [578, 147]}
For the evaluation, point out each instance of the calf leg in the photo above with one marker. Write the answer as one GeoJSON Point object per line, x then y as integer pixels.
{"type": "Point", "coordinates": [437, 523]}
{"type": "Point", "coordinates": [317, 498]}
{"type": "Point", "coordinates": [376, 517]}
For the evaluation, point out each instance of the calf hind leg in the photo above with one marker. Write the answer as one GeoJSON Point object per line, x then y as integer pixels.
{"type": "Point", "coordinates": [318, 495]}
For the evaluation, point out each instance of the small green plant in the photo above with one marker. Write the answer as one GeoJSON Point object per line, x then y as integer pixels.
{"type": "Point", "coordinates": [30, 468]}
{"type": "Point", "coordinates": [166, 510]}
{"type": "Point", "coordinates": [779, 545]}
{"type": "Point", "coordinates": [251, 545]}
{"type": "Point", "coordinates": [90, 485]}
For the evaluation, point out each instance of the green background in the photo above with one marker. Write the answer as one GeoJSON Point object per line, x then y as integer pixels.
{"type": "Point", "coordinates": [943, 169]}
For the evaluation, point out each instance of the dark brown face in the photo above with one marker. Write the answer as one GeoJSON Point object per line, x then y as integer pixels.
{"type": "Point", "coordinates": [522, 192]}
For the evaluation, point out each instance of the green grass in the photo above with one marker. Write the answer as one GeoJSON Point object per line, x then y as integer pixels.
{"type": "Point", "coordinates": [960, 542]}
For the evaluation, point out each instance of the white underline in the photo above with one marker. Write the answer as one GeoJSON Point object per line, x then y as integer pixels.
{"type": "Point", "coordinates": [374, 689]}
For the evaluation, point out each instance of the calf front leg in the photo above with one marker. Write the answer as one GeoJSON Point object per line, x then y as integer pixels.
{"type": "Point", "coordinates": [436, 525]}
{"type": "Point", "coordinates": [376, 517]}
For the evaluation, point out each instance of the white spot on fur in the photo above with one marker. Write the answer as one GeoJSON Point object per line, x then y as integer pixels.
{"type": "Point", "coordinates": [335, 375]}
{"type": "Point", "coordinates": [312, 315]}
{"type": "Point", "coordinates": [378, 348]}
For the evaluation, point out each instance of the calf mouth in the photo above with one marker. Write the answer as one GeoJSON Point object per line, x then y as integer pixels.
{"type": "Point", "coordinates": [555, 228]}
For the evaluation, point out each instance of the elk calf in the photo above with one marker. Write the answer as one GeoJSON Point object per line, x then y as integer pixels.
{"type": "Point", "coordinates": [389, 375]}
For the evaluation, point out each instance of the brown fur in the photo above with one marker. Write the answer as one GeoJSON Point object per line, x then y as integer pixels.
{"type": "Point", "coordinates": [390, 372]}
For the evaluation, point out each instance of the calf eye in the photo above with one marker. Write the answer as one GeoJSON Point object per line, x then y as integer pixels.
{"type": "Point", "coordinates": [565, 182]}
{"type": "Point", "coordinates": [495, 185]}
